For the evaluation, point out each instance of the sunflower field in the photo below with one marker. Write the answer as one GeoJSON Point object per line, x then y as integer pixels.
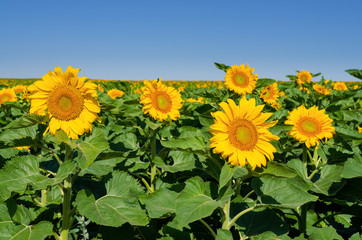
{"type": "Point", "coordinates": [243, 158]}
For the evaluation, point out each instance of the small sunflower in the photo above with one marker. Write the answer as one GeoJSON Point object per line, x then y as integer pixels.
{"type": "Point", "coordinates": [19, 88]}
{"type": "Point", "coordinates": [321, 89]}
{"type": "Point", "coordinates": [340, 86]}
{"type": "Point", "coordinates": [115, 93]}
{"type": "Point", "coordinates": [270, 94]}
{"type": "Point", "coordinates": [68, 100]}
{"type": "Point", "coordinates": [359, 129]}
{"type": "Point", "coordinates": [199, 100]}
{"type": "Point", "coordinates": [7, 95]}
{"type": "Point", "coordinates": [310, 125]}
{"type": "Point", "coordinates": [160, 101]}
{"type": "Point", "coordinates": [240, 79]}
{"type": "Point", "coordinates": [241, 133]}
{"type": "Point", "coordinates": [304, 76]}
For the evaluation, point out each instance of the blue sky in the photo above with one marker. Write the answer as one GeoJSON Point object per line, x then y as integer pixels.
{"type": "Point", "coordinates": [180, 40]}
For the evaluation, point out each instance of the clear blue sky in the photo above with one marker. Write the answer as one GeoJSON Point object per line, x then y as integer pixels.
{"type": "Point", "coordinates": [180, 40]}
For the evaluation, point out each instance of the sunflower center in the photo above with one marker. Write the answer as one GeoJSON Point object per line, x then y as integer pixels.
{"type": "Point", "coordinates": [309, 126]}
{"type": "Point", "coordinates": [304, 78]}
{"type": "Point", "coordinates": [241, 79]}
{"type": "Point", "coordinates": [66, 103]}
{"type": "Point", "coordinates": [243, 135]}
{"type": "Point", "coordinates": [5, 97]}
{"type": "Point", "coordinates": [162, 101]}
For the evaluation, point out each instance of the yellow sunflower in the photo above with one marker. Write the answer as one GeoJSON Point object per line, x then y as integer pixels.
{"type": "Point", "coordinates": [321, 89]}
{"type": "Point", "coordinates": [19, 88]}
{"type": "Point", "coordinates": [340, 86]}
{"type": "Point", "coordinates": [115, 93]}
{"type": "Point", "coordinates": [270, 94]}
{"type": "Point", "coordinates": [240, 79]}
{"type": "Point", "coordinates": [160, 101]}
{"type": "Point", "coordinates": [359, 129]}
{"type": "Point", "coordinates": [304, 76]}
{"type": "Point", "coordinates": [69, 101]}
{"type": "Point", "coordinates": [241, 133]}
{"type": "Point", "coordinates": [310, 125]}
{"type": "Point", "coordinates": [7, 95]}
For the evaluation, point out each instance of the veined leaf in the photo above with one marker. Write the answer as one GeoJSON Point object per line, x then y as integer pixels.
{"type": "Point", "coordinates": [120, 205]}
{"type": "Point", "coordinates": [160, 202]}
{"type": "Point", "coordinates": [26, 120]}
{"type": "Point", "coordinates": [325, 233]}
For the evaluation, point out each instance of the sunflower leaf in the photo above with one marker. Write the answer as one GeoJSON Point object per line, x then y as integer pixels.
{"type": "Point", "coordinates": [119, 206]}
{"type": "Point", "coordinates": [26, 120]}
{"type": "Point", "coordinates": [325, 233]}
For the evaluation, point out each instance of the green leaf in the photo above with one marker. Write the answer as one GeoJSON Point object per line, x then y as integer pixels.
{"type": "Point", "coordinates": [26, 120]}
{"type": "Point", "coordinates": [272, 236]}
{"type": "Point", "coordinates": [190, 143]}
{"type": "Point", "coordinates": [223, 234]}
{"type": "Point", "coordinates": [18, 173]}
{"type": "Point", "coordinates": [355, 236]}
{"type": "Point", "coordinates": [299, 167]}
{"type": "Point", "coordinates": [19, 137]}
{"type": "Point", "coordinates": [61, 137]}
{"type": "Point", "coordinates": [91, 147]}
{"type": "Point", "coordinates": [325, 233]}
{"type": "Point", "coordinates": [330, 181]}
{"type": "Point", "coordinates": [278, 170]}
{"type": "Point", "coordinates": [287, 192]}
{"type": "Point", "coordinates": [120, 205]}
{"type": "Point", "coordinates": [221, 66]}
{"type": "Point", "coordinates": [352, 115]}
{"type": "Point", "coordinates": [194, 203]}
{"type": "Point", "coordinates": [352, 168]}
{"type": "Point", "coordinates": [227, 172]}
{"type": "Point", "coordinates": [182, 161]}
{"type": "Point", "coordinates": [160, 202]}
{"type": "Point", "coordinates": [38, 232]}
{"type": "Point", "coordinates": [344, 219]}
{"type": "Point", "coordinates": [129, 140]}
{"type": "Point", "coordinates": [355, 73]}
{"type": "Point", "coordinates": [264, 82]}
{"type": "Point", "coordinates": [348, 133]}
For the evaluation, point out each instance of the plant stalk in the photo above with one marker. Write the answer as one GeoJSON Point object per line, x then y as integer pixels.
{"type": "Point", "coordinates": [66, 223]}
{"type": "Point", "coordinates": [153, 166]}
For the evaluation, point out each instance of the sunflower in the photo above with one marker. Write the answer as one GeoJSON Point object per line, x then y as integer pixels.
{"type": "Point", "coordinates": [241, 133]}
{"type": "Point", "coordinates": [270, 94]}
{"type": "Point", "coordinates": [115, 93]}
{"type": "Point", "coordinates": [68, 100]}
{"type": "Point", "coordinates": [340, 86]}
{"type": "Point", "coordinates": [310, 125]}
{"type": "Point", "coordinates": [321, 89]}
{"type": "Point", "coordinates": [7, 95]}
{"type": "Point", "coordinates": [304, 76]}
{"type": "Point", "coordinates": [160, 101]}
{"type": "Point", "coordinates": [359, 129]}
{"type": "Point", "coordinates": [240, 79]}
{"type": "Point", "coordinates": [199, 100]}
{"type": "Point", "coordinates": [19, 88]}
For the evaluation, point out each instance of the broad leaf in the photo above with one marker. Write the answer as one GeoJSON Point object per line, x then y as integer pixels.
{"type": "Point", "coordinates": [325, 233]}
{"type": "Point", "coordinates": [120, 205]}
{"type": "Point", "coordinates": [330, 180]}
{"type": "Point", "coordinates": [160, 202]}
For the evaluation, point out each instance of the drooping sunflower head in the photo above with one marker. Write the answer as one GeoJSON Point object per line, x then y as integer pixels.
{"type": "Point", "coordinates": [7, 95]}
{"type": "Point", "coordinates": [242, 134]}
{"type": "Point", "coordinates": [304, 76]}
{"type": "Point", "coordinates": [321, 89]}
{"type": "Point", "coordinates": [270, 93]}
{"type": "Point", "coordinates": [115, 93]}
{"type": "Point", "coordinates": [240, 79]}
{"type": "Point", "coordinates": [310, 125]}
{"type": "Point", "coordinates": [160, 101]}
{"type": "Point", "coordinates": [69, 101]}
{"type": "Point", "coordinates": [340, 86]}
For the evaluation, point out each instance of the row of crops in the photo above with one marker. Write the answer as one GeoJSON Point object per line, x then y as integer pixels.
{"type": "Point", "coordinates": [243, 158]}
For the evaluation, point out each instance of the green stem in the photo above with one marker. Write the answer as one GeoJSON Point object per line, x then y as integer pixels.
{"type": "Point", "coordinates": [153, 166]}
{"type": "Point", "coordinates": [57, 237]}
{"type": "Point", "coordinates": [313, 173]}
{"type": "Point", "coordinates": [226, 216]}
{"type": "Point", "coordinates": [66, 223]}
{"type": "Point", "coordinates": [247, 195]}
{"type": "Point", "coordinates": [44, 194]}
{"type": "Point", "coordinates": [241, 214]}
{"type": "Point", "coordinates": [208, 228]}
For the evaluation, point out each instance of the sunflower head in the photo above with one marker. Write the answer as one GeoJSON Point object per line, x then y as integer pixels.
{"type": "Point", "coordinates": [340, 86]}
{"type": "Point", "coordinates": [240, 79]}
{"type": "Point", "coordinates": [321, 89]}
{"type": "Point", "coordinates": [310, 125]}
{"type": "Point", "coordinates": [160, 101]}
{"type": "Point", "coordinates": [242, 134]}
{"type": "Point", "coordinates": [70, 102]}
{"type": "Point", "coordinates": [7, 95]}
{"type": "Point", "coordinates": [304, 76]}
{"type": "Point", "coordinates": [115, 93]}
{"type": "Point", "coordinates": [19, 88]}
{"type": "Point", "coordinates": [270, 93]}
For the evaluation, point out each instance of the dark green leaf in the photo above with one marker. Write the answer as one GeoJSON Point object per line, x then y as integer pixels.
{"type": "Point", "coordinates": [160, 202]}
{"type": "Point", "coordinates": [325, 233]}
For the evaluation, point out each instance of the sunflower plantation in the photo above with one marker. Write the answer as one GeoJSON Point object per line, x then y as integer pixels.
{"type": "Point", "coordinates": [243, 158]}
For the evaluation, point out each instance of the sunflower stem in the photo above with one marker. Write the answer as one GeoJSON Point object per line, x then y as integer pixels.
{"type": "Point", "coordinates": [153, 166]}
{"type": "Point", "coordinates": [226, 216]}
{"type": "Point", "coordinates": [241, 214]}
{"type": "Point", "coordinates": [208, 228]}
